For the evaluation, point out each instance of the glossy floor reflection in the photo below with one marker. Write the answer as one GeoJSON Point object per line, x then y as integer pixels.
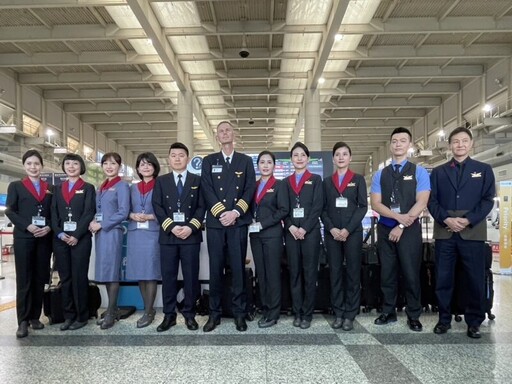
{"type": "Point", "coordinates": [281, 354]}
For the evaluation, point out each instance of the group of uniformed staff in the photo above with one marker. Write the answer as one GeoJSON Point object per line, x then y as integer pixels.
{"type": "Point", "coordinates": [166, 213]}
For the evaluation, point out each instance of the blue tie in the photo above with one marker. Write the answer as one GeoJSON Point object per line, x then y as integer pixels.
{"type": "Point", "coordinates": [179, 185]}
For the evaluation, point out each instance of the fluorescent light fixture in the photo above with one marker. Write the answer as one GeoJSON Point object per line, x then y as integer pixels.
{"type": "Point", "coordinates": [487, 108]}
{"type": "Point", "coordinates": [338, 37]}
{"type": "Point", "coordinates": [321, 80]}
{"type": "Point", "coordinates": [60, 150]}
{"type": "Point", "coordinates": [49, 132]}
{"type": "Point", "coordinates": [8, 129]}
{"type": "Point", "coordinates": [440, 133]}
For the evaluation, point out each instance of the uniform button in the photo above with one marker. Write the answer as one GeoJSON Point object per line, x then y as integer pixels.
{"type": "Point", "coordinates": [166, 197]}
{"type": "Point", "coordinates": [218, 177]}
{"type": "Point", "coordinates": [236, 187]}
{"type": "Point", "coordinates": [223, 200]}
{"type": "Point", "coordinates": [458, 196]}
{"type": "Point", "coordinates": [235, 199]}
{"type": "Point", "coordinates": [220, 189]}
{"type": "Point", "coordinates": [189, 207]}
{"type": "Point", "coordinates": [191, 195]}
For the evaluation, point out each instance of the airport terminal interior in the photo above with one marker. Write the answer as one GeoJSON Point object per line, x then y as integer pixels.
{"type": "Point", "coordinates": [94, 76]}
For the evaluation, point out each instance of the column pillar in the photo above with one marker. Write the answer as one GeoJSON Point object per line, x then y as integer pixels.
{"type": "Point", "coordinates": [19, 107]}
{"type": "Point", "coordinates": [44, 119]}
{"type": "Point", "coordinates": [186, 120]}
{"type": "Point", "coordinates": [312, 129]}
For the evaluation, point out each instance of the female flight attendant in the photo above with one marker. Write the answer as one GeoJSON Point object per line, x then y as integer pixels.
{"type": "Point", "coordinates": [112, 208]}
{"type": "Point", "coordinates": [73, 208]}
{"type": "Point", "coordinates": [269, 207]}
{"type": "Point", "coordinates": [302, 226]}
{"type": "Point", "coordinates": [28, 208]}
{"type": "Point", "coordinates": [143, 249]}
{"type": "Point", "coordinates": [345, 204]}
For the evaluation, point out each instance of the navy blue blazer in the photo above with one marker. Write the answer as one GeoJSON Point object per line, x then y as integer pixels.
{"type": "Point", "coordinates": [350, 217]}
{"type": "Point", "coordinates": [271, 211]}
{"type": "Point", "coordinates": [165, 203]}
{"type": "Point", "coordinates": [472, 198]}
{"type": "Point", "coordinates": [21, 206]}
{"type": "Point", "coordinates": [231, 189]}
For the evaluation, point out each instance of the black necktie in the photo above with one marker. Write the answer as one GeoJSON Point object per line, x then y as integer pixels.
{"type": "Point", "coordinates": [227, 162]}
{"type": "Point", "coordinates": [460, 167]}
{"type": "Point", "coordinates": [179, 185]}
{"type": "Point", "coordinates": [397, 168]}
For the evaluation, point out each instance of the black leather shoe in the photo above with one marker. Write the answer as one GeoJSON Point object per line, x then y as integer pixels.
{"type": "Point", "coordinates": [36, 324]}
{"type": "Point", "coordinates": [241, 325]}
{"type": "Point", "coordinates": [211, 324]}
{"type": "Point", "coordinates": [441, 328]}
{"type": "Point", "coordinates": [385, 318]}
{"type": "Point", "coordinates": [191, 324]}
{"type": "Point", "coordinates": [168, 322]}
{"type": "Point", "coordinates": [67, 323]}
{"type": "Point", "coordinates": [474, 332]}
{"type": "Point", "coordinates": [296, 322]}
{"type": "Point", "coordinates": [77, 325]}
{"type": "Point", "coordinates": [22, 330]}
{"type": "Point", "coordinates": [415, 325]}
{"type": "Point", "coordinates": [338, 323]}
{"type": "Point", "coordinates": [262, 320]}
{"type": "Point", "coordinates": [305, 324]}
{"type": "Point", "coordinates": [348, 325]}
{"type": "Point", "coordinates": [267, 323]}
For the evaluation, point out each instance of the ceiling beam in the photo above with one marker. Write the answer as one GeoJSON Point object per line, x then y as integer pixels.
{"type": "Point", "coordinates": [137, 127]}
{"type": "Point", "coordinates": [8, 4]}
{"type": "Point", "coordinates": [152, 106]}
{"type": "Point", "coordinates": [82, 32]}
{"type": "Point", "coordinates": [128, 118]}
{"type": "Point", "coordinates": [106, 94]}
{"type": "Point", "coordinates": [84, 58]}
{"type": "Point", "coordinates": [120, 77]}
{"type": "Point", "coordinates": [339, 8]}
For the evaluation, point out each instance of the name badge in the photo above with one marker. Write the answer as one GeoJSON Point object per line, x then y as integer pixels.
{"type": "Point", "coordinates": [341, 202]}
{"type": "Point", "coordinates": [143, 225]}
{"type": "Point", "coordinates": [298, 213]}
{"type": "Point", "coordinates": [98, 217]}
{"type": "Point", "coordinates": [69, 226]}
{"type": "Point", "coordinates": [254, 228]}
{"type": "Point", "coordinates": [216, 168]}
{"type": "Point", "coordinates": [395, 208]}
{"type": "Point", "coordinates": [178, 217]}
{"type": "Point", "coordinates": [39, 221]}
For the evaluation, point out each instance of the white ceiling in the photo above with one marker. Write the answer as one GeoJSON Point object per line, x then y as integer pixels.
{"type": "Point", "coordinates": [119, 64]}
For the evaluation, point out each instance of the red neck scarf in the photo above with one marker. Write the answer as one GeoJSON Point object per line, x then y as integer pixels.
{"type": "Point", "coordinates": [269, 184]}
{"type": "Point", "coordinates": [109, 184]}
{"type": "Point", "coordinates": [67, 194]}
{"type": "Point", "coordinates": [43, 187]}
{"type": "Point", "coordinates": [349, 175]}
{"type": "Point", "coordinates": [144, 187]}
{"type": "Point", "coordinates": [293, 181]}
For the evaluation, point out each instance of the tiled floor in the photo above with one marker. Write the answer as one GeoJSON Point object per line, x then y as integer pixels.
{"type": "Point", "coordinates": [281, 354]}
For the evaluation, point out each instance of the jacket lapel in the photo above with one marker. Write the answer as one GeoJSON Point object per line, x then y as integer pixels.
{"type": "Point", "coordinates": [449, 168]}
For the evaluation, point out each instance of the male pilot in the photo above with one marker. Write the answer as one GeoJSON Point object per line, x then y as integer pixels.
{"type": "Point", "coordinates": [462, 196]}
{"type": "Point", "coordinates": [179, 209]}
{"type": "Point", "coordinates": [399, 194]}
{"type": "Point", "coordinates": [228, 182]}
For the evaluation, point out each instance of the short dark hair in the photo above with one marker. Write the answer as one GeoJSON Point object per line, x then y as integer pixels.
{"type": "Point", "coordinates": [151, 159]}
{"type": "Point", "coordinates": [299, 144]}
{"type": "Point", "coordinates": [30, 153]}
{"type": "Point", "coordinates": [401, 130]}
{"type": "Point", "coordinates": [266, 153]}
{"type": "Point", "coordinates": [112, 155]}
{"type": "Point", "coordinates": [341, 144]}
{"type": "Point", "coordinates": [74, 157]}
{"type": "Point", "coordinates": [459, 130]}
{"type": "Point", "coordinates": [178, 145]}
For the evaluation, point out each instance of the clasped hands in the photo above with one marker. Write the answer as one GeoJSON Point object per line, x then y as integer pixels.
{"type": "Point", "coordinates": [456, 224]}
{"type": "Point", "coordinates": [228, 218]}
{"type": "Point", "coordinates": [339, 234]}
{"type": "Point", "coordinates": [297, 233]}
{"type": "Point", "coordinates": [37, 231]}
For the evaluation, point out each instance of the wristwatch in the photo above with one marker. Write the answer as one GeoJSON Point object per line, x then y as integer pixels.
{"type": "Point", "coordinates": [401, 226]}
